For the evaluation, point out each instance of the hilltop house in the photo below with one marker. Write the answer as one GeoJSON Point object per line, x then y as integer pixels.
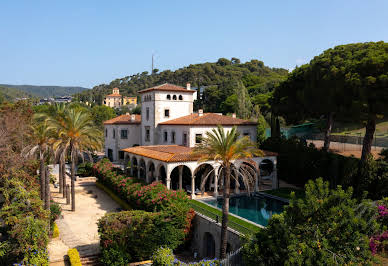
{"type": "Point", "coordinates": [158, 143]}
{"type": "Point", "coordinates": [116, 100]}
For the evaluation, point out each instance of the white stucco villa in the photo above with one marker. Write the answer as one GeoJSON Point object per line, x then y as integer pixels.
{"type": "Point", "coordinates": [158, 144]}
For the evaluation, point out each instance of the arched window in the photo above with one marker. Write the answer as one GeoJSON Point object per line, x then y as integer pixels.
{"type": "Point", "coordinates": [168, 97]}
{"type": "Point", "coordinates": [174, 97]}
{"type": "Point", "coordinates": [180, 97]}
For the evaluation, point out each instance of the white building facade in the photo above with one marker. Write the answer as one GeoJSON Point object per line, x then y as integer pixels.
{"type": "Point", "coordinates": [170, 128]}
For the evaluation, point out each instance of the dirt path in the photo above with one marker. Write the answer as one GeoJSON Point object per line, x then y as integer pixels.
{"type": "Point", "coordinates": [79, 229]}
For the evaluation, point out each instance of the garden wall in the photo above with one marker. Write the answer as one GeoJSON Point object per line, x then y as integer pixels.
{"type": "Point", "coordinates": [205, 231]}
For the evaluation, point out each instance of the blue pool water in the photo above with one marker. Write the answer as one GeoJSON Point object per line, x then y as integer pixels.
{"type": "Point", "coordinates": [257, 208]}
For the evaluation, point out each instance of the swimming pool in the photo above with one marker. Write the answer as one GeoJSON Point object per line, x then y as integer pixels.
{"type": "Point", "coordinates": [257, 208]}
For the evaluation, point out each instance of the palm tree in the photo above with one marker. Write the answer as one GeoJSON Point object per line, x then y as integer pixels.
{"type": "Point", "coordinates": [60, 152]}
{"type": "Point", "coordinates": [224, 148]}
{"type": "Point", "coordinates": [42, 137]}
{"type": "Point", "coordinates": [77, 134]}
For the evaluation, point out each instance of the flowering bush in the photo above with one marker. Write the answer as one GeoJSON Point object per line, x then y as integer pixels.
{"type": "Point", "coordinates": [164, 257]}
{"type": "Point", "coordinates": [25, 222]}
{"type": "Point", "coordinates": [162, 216]}
{"type": "Point", "coordinates": [137, 234]}
{"type": "Point", "coordinates": [379, 242]}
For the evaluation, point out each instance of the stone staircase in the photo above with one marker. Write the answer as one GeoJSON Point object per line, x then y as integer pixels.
{"type": "Point", "coordinates": [90, 260]}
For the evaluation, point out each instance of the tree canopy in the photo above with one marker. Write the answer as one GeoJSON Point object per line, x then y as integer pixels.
{"type": "Point", "coordinates": [348, 81]}
{"type": "Point", "coordinates": [217, 80]}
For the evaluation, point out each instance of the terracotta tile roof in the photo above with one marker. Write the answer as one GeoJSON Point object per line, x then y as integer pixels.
{"type": "Point", "coordinates": [208, 119]}
{"type": "Point", "coordinates": [123, 119]}
{"type": "Point", "coordinates": [167, 87]}
{"type": "Point", "coordinates": [113, 95]}
{"type": "Point", "coordinates": [170, 153]}
{"type": "Point", "coordinates": [165, 153]}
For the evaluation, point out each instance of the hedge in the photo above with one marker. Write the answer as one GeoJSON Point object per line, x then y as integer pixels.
{"type": "Point", "coordinates": [299, 162]}
{"type": "Point", "coordinates": [55, 231]}
{"type": "Point", "coordinates": [74, 257]}
{"type": "Point", "coordinates": [165, 257]}
{"type": "Point", "coordinates": [159, 217]}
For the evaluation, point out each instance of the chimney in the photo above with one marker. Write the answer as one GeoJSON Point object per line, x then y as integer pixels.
{"type": "Point", "coordinates": [234, 115]}
{"type": "Point", "coordinates": [133, 117]}
{"type": "Point", "coordinates": [188, 86]}
{"type": "Point", "coordinates": [200, 112]}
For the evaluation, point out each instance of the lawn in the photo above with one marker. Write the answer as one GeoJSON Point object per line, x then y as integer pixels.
{"type": "Point", "coordinates": [359, 130]}
{"type": "Point", "coordinates": [234, 222]}
{"type": "Point", "coordinates": [285, 192]}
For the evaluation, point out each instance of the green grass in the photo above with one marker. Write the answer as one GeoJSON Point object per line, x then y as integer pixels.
{"type": "Point", "coordinates": [357, 130]}
{"type": "Point", "coordinates": [286, 192]}
{"type": "Point", "coordinates": [234, 222]}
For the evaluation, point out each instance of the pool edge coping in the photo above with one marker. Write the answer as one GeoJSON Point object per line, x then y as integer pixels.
{"type": "Point", "coordinates": [236, 216]}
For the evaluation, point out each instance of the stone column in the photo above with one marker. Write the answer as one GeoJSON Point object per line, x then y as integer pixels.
{"type": "Point", "coordinates": [193, 187]}
{"type": "Point", "coordinates": [216, 182]}
{"type": "Point", "coordinates": [274, 175]}
{"type": "Point", "coordinates": [168, 180]}
{"type": "Point", "coordinates": [180, 168]}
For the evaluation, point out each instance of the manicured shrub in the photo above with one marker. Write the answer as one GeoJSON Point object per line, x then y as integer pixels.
{"type": "Point", "coordinates": [165, 257]}
{"type": "Point", "coordinates": [115, 256]}
{"type": "Point", "coordinates": [140, 233]}
{"type": "Point", "coordinates": [327, 227]}
{"type": "Point", "coordinates": [55, 211]}
{"type": "Point", "coordinates": [162, 216]}
{"type": "Point", "coordinates": [55, 233]}
{"type": "Point", "coordinates": [74, 257]}
{"type": "Point", "coordinates": [85, 169]}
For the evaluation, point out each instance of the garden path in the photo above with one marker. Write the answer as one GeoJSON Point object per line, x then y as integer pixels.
{"type": "Point", "coordinates": [79, 229]}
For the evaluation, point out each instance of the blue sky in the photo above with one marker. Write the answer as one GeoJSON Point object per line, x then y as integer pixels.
{"type": "Point", "coordinates": [86, 43]}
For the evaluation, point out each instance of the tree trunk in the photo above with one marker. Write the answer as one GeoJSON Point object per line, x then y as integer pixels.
{"type": "Point", "coordinates": [42, 177]}
{"type": "Point", "coordinates": [63, 165]}
{"type": "Point", "coordinates": [72, 180]}
{"type": "Point", "coordinates": [277, 128]}
{"type": "Point", "coordinates": [329, 126]}
{"type": "Point", "coordinates": [47, 189]}
{"type": "Point", "coordinates": [60, 177]}
{"type": "Point", "coordinates": [225, 214]}
{"type": "Point", "coordinates": [368, 138]}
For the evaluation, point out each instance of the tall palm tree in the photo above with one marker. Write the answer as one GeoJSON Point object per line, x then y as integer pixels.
{"type": "Point", "coordinates": [60, 152]}
{"type": "Point", "coordinates": [224, 148]}
{"type": "Point", "coordinates": [42, 137]}
{"type": "Point", "coordinates": [77, 134]}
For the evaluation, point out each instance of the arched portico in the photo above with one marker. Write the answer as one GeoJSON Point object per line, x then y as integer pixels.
{"type": "Point", "coordinates": [151, 172]}
{"type": "Point", "coordinates": [134, 167]}
{"type": "Point", "coordinates": [142, 169]}
{"type": "Point", "coordinates": [181, 178]}
{"type": "Point", "coordinates": [176, 167]}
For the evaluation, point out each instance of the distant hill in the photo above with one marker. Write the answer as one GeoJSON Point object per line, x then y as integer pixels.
{"type": "Point", "coordinates": [10, 94]}
{"type": "Point", "coordinates": [257, 77]}
{"type": "Point", "coordinates": [46, 91]}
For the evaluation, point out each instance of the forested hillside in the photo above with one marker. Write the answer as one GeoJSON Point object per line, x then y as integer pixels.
{"type": "Point", "coordinates": [46, 91]}
{"type": "Point", "coordinates": [10, 94]}
{"type": "Point", "coordinates": [226, 84]}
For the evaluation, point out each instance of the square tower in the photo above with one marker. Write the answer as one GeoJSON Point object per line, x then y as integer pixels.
{"type": "Point", "coordinates": [163, 103]}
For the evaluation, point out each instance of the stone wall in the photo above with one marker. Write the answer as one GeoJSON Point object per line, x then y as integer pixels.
{"type": "Point", "coordinates": [205, 228]}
